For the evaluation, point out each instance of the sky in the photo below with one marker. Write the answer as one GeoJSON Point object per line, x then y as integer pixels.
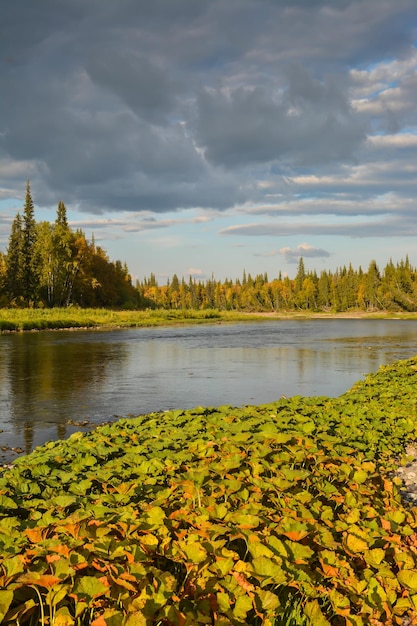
{"type": "Point", "coordinates": [212, 137]}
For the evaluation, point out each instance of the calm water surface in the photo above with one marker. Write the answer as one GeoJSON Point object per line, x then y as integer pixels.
{"type": "Point", "coordinates": [48, 379]}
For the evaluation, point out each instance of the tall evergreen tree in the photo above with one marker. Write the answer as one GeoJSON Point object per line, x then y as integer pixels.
{"type": "Point", "coordinates": [63, 256]}
{"type": "Point", "coordinates": [61, 215]}
{"type": "Point", "coordinates": [14, 260]}
{"type": "Point", "coordinates": [301, 275]}
{"type": "Point", "coordinates": [3, 278]}
{"type": "Point", "coordinates": [29, 261]}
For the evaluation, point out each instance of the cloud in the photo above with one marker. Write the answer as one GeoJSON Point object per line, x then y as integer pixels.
{"type": "Point", "coordinates": [302, 250]}
{"type": "Point", "coordinates": [385, 227]}
{"type": "Point", "coordinates": [195, 272]}
{"type": "Point", "coordinates": [245, 107]}
{"type": "Point", "coordinates": [309, 122]}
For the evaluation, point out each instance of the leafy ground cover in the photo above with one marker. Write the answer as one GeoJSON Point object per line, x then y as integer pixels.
{"type": "Point", "coordinates": [281, 514]}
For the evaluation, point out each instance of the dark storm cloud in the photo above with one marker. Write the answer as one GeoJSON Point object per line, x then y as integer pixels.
{"type": "Point", "coordinates": [311, 122]}
{"type": "Point", "coordinates": [175, 104]}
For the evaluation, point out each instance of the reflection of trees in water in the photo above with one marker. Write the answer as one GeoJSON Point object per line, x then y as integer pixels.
{"type": "Point", "coordinates": [46, 374]}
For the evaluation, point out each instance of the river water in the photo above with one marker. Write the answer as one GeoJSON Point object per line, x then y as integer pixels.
{"type": "Point", "coordinates": [49, 379]}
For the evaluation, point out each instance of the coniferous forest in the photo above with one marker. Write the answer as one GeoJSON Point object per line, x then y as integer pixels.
{"type": "Point", "coordinates": [50, 265]}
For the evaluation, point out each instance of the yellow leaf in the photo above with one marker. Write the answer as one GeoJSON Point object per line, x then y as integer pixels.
{"type": "Point", "coordinates": [63, 617]}
{"type": "Point", "coordinates": [374, 557]}
{"type": "Point", "coordinates": [408, 579]}
{"type": "Point", "coordinates": [355, 544]}
{"type": "Point", "coordinates": [314, 614]}
{"type": "Point", "coordinates": [268, 568]}
{"type": "Point", "coordinates": [135, 619]}
{"type": "Point", "coordinates": [242, 607]}
{"type": "Point", "coordinates": [6, 598]}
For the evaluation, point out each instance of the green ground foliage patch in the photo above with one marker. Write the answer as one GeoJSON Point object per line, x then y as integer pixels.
{"type": "Point", "coordinates": [281, 514]}
{"type": "Point", "coordinates": [76, 317]}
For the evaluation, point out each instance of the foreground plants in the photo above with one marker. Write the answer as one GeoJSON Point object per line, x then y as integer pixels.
{"type": "Point", "coordinates": [285, 513]}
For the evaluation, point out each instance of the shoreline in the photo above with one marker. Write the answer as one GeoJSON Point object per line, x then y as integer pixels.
{"type": "Point", "coordinates": [34, 320]}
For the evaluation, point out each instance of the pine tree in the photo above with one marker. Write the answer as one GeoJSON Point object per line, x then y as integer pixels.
{"type": "Point", "coordinates": [14, 260]}
{"type": "Point", "coordinates": [29, 277]}
{"type": "Point", "coordinates": [3, 278]}
{"type": "Point", "coordinates": [63, 253]}
{"type": "Point", "coordinates": [61, 215]}
{"type": "Point", "coordinates": [301, 275]}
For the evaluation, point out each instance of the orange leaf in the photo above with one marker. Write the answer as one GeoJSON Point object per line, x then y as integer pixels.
{"type": "Point", "coordinates": [295, 535]}
{"type": "Point", "coordinates": [34, 534]}
{"type": "Point", "coordinates": [329, 570]}
{"type": "Point", "coordinates": [42, 580]}
{"type": "Point", "coordinates": [50, 558]}
{"type": "Point", "coordinates": [241, 580]}
{"type": "Point", "coordinates": [61, 549]}
{"type": "Point", "coordinates": [124, 583]}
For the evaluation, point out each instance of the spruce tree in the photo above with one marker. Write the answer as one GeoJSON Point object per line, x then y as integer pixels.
{"type": "Point", "coordinates": [61, 215]}
{"type": "Point", "coordinates": [14, 261]}
{"type": "Point", "coordinates": [29, 277]}
{"type": "Point", "coordinates": [62, 245]}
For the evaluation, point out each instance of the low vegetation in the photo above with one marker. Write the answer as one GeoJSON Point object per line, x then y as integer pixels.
{"type": "Point", "coordinates": [281, 514]}
{"type": "Point", "coordinates": [77, 317]}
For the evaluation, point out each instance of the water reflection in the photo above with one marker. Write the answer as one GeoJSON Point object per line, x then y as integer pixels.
{"type": "Point", "coordinates": [50, 378]}
{"type": "Point", "coordinates": [44, 377]}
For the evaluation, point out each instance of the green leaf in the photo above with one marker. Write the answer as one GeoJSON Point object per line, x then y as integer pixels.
{"type": "Point", "coordinates": [193, 550]}
{"type": "Point", "coordinates": [267, 568]}
{"type": "Point", "coordinates": [314, 614]}
{"type": "Point", "coordinates": [242, 520]}
{"type": "Point", "coordinates": [6, 598]}
{"type": "Point", "coordinates": [376, 594]}
{"type": "Point", "coordinates": [89, 587]}
{"type": "Point", "coordinates": [63, 501]}
{"type": "Point", "coordinates": [155, 516]}
{"type": "Point", "coordinates": [7, 503]}
{"type": "Point", "coordinates": [269, 601]}
{"type": "Point", "coordinates": [360, 476]}
{"type": "Point", "coordinates": [242, 607]}
{"type": "Point", "coordinates": [80, 487]}
{"type": "Point", "coordinates": [63, 617]}
{"type": "Point", "coordinates": [223, 600]}
{"type": "Point", "coordinates": [340, 603]}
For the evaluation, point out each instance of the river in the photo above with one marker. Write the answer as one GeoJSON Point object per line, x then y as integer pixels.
{"type": "Point", "coordinates": [51, 382]}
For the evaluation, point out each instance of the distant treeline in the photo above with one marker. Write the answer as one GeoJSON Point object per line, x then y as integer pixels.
{"type": "Point", "coordinates": [49, 264]}
{"type": "Point", "coordinates": [393, 289]}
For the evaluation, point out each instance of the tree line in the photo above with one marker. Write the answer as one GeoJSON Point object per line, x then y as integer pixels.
{"type": "Point", "coordinates": [393, 289]}
{"type": "Point", "coordinates": [49, 264]}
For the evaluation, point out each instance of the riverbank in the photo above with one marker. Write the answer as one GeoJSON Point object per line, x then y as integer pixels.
{"type": "Point", "coordinates": [281, 513]}
{"type": "Point", "coordinates": [13, 320]}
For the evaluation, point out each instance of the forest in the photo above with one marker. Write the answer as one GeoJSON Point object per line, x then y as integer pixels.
{"type": "Point", "coordinates": [50, 265]}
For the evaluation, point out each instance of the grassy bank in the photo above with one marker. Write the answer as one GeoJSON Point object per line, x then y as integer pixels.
{"type": "Point", "coordinates": [73, 317]}
{"type": "Point", "coordinates": [41, 319]}
{"type": "Point", "coordinates": [273, 515]}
